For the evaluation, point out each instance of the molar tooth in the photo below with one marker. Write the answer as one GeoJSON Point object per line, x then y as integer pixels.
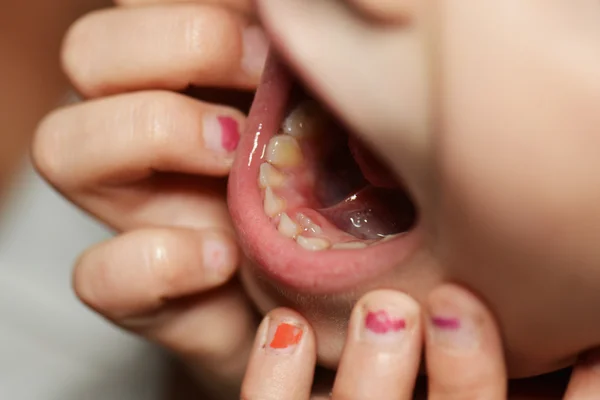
{"type": "Point", "coordinates": [349, 245]}
{"type": "Point", "coordinates": [308, 225]}
{"type": "Point", "coordinates": [269, 176]}
{"type": "Point", "coordinates": [313, 244]}
{"type": "Point", "coordinates": [287, 227]}
{"type": "Point", "coordinates": [306, 119]}
{"type": "Point", "coordinates": [284, 151]}
{"type": "Point", "coordinates": [273, 204]}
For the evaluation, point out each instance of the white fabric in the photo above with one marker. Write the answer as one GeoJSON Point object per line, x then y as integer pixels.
{"type": "Point", "coordinates": [51, 346]}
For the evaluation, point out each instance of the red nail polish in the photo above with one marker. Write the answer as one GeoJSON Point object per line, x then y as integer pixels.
{"type": "Point", "coordinates": [230, 133]}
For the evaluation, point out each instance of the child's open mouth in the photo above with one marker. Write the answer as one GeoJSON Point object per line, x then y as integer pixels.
{"type": "Point", "coordinates": [314, 208]}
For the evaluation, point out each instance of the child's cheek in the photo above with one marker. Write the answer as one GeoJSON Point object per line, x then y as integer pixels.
{"type": "Point", "coordinates": [519, 168]}
{"type": "Point", "coordinates": [520, 120]}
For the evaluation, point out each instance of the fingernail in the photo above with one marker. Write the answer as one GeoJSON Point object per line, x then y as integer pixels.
{"type": "Point", "coordinates": [217, 258]}
{"type": "Point", "coordinates": [221, 133]}
{"type": "Point", "coordinates": [383, 324]}
{"type": "Point", "coordinates": [255, 50]}
{"type": "Point", "coordinates": [283, 337]}
{"type": "Point", "coordinates": [452, 330]}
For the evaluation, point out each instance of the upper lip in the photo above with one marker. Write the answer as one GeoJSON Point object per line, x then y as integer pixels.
{"type": "Point", "coordinates": [274, 254]}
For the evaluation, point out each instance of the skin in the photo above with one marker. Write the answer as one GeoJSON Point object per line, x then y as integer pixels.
{"type": "Point", "coordinates": [385, 365]}
{"type": "Point", "coordinates": [153, 278]}
{"type": "Point", "coordinates": [496, 104]}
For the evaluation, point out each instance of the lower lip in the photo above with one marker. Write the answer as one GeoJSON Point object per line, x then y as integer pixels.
{"type": "Point", "coordinates": [276, 256]}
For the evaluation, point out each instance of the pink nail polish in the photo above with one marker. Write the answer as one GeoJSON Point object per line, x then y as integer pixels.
{"type": "Point", "coordinates": [230, 133]}
{"type": "Point", "coordinates": [221, 134]}
{"type": "Point", "coordinates": [385, 329]}
{"type": "Point", "coordinates": [445, 323]}
{"type": "Point", "coordinates": [381, 322]}
{"type": "Point", "coordinates": [454, 333]}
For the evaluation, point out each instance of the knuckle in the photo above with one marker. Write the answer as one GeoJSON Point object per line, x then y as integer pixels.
{"type": "Point", "coordinates": [212, 40]}
{"type": "Point", "coordinates": [163, 262]}
{"type": "Point", "coordinates": [160, 118]}
{"type": "Point", "coordinates": [151, 116]}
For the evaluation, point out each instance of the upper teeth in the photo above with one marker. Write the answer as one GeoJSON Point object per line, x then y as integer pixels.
{"type": "Point", "coordinates": [284, 152]}
{"type": "Point", "coordinates": [269, 176]}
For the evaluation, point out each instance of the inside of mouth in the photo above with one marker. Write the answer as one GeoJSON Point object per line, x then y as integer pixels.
{"type": "Point", "coordinates": [323, 188]}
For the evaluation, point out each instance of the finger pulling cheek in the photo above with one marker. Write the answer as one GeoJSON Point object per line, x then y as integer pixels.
{"type": "Point", "coordinates": [255, 49]}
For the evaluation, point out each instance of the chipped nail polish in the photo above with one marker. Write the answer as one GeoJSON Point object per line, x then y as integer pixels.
{"type": "Point", "coordinates": [381, 326]}
{"type": "Point", "coordinates": [284, 337]}
{"type": "Point", "coordinates": [381, 322]}
{"type": "Point", "coordinates": [230, 133]}
{"type": "Point", "coordinates": [445, 323]}
{"type": "Point", "coordinates": [453, 333]}
{"type": "Point", "coordinates": [221, 133]}
{"type": "Point", "coordinates": [216, 257]}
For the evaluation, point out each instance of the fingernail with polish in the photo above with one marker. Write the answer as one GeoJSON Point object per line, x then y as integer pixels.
{"type": "Point", "coordinates": [453, 332]}
{"type": "Point", "coordinates": [382, 325]}
{"type": "Point", "coordinates": [256, 47]}
{"type": "Point", "coordinates": [217, 258]}
{"type": "Point", "coordinates": [221, 133]}
{"type": "Point", "coordinates": [284, 337]}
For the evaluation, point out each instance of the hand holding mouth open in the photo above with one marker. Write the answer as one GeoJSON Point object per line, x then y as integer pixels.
{"type": "Point", "coordinates": [151, 162]}
{"type": "Point", "coordinates": [387, 335]}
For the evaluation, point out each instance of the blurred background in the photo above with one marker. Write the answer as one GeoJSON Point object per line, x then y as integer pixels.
{"type": "Point", "coordinates": [51, 346]}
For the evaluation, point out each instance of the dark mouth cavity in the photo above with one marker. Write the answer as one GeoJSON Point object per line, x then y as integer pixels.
{"type": "Point", "coordinates": [352, 188]}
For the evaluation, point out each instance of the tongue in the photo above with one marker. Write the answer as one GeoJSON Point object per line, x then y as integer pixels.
{"type": "Point", "coordinates": [372, 213]}
{"type": "Point", "coordinates": [372, 169]}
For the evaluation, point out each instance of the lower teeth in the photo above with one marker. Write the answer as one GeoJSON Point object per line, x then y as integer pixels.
{"type": "Point", "coordinates": [367, 215]}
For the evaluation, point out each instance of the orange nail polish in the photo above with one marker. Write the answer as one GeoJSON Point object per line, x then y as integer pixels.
{"type": "Point", "coordinates": [285, 336]}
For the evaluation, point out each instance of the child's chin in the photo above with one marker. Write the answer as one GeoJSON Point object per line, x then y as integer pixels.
{"type": "Point", "coordinates": [328, 316]}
